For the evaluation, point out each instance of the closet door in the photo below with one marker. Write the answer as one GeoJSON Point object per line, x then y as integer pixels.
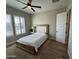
{"type": "Point", "coordinates": [61, 27]}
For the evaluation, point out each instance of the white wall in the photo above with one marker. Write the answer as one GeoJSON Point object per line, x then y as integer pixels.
{"type": "Point", "coordinates": [48, 17]}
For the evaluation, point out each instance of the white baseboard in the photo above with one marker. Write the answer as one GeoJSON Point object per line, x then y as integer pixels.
{"type": "Point", "coordinates": [8, 44]}
{"type": "Point", "coordinates": [54, 38]}
{"type": "Point", "coordinates": [69, 55]}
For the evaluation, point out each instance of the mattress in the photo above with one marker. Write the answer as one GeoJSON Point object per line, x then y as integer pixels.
{"type": "Point", "coordinates": [35, 40]}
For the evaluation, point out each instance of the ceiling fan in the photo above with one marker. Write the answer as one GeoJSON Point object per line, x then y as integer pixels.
{"type": "Point", "coordinates": [28, 5]}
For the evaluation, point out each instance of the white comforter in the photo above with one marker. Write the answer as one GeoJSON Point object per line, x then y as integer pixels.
{"type": "Point", "coordinates": [35, 40]}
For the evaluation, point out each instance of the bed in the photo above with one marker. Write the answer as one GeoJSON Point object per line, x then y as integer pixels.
{"type": "Point", "coordinates": [33, 42]}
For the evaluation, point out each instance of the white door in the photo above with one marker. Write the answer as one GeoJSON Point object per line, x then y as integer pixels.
{"type": "Point", "coordinates": [61, 27]}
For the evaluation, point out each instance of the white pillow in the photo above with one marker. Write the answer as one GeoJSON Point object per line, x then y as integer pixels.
{"type": "Point", "coordinates": [40, 33]}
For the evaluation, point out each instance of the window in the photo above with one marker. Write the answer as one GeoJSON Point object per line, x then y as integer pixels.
{"type": "Point", "coordinates": [19, 24]}
{"type": "Point", "coordinates": [9, 29]}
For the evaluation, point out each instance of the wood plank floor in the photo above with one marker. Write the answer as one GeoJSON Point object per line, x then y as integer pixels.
{"type": "Point", "coordinates": [49, 50]}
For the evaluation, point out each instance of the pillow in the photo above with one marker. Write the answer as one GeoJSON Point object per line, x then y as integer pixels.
{"type": "Point", "coordinates": [40, 33]}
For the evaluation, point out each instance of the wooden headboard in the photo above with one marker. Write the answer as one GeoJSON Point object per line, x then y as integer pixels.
{"type": "Point", "coordinates": [42, 28]}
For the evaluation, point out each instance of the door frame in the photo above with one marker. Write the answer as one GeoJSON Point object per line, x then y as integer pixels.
{"type": "Point", "coordinates": [67, 27]}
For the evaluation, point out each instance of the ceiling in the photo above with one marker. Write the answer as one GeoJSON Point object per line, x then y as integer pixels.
{"type": "Point", "coordinates": [45, 4]}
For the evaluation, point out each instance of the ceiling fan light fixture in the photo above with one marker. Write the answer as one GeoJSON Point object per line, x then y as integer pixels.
{"type": "Point", "coordinates": [29, 7]}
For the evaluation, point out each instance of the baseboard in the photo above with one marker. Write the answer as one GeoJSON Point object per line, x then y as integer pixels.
{"type": "Point", "coordinates": [11, 43]}
{"type": "Point", "coordinates": [53, 38]}
{"type": "Point", "coordinates": [69, 55]}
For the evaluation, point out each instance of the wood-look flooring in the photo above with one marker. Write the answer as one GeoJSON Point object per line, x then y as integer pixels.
{"type": "Point", "coordinates": [51, 49]}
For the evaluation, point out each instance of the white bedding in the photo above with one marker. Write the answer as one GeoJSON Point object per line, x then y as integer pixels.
{"type": "Point", "coordinates": [35, 40]}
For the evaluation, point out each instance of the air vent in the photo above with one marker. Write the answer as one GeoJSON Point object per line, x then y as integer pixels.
{"type": "Point", "coordinates": [54, 1]}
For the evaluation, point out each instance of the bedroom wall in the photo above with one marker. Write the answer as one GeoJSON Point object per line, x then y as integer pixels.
{"type": "Point", "coordinates": [13, 11]}
{"type": "Point", "coordinates": [47, 17]}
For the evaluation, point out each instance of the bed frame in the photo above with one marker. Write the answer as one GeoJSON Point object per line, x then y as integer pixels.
{"type": "Point", "coordinates": [31, 49]}
{"type": "Point", "coordinates": [27, 48]}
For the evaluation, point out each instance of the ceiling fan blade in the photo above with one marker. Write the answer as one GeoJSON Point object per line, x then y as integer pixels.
{"type": "Point", "coordinates": [21, 2]}
{"type": "Point", "coordinates": [30, 1]}
{"type": "Point", "coordinates": [24, 7]}
{"type": "Point", "coordinates": [36, 6]}
{"type": "Point", "coordinates": [33, 9]}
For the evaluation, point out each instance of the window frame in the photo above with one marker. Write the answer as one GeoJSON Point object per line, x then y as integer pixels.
{"type": "Point", "coordinates": [11, 26]}
{"type": "Point", "coordinates": [20, 25]}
